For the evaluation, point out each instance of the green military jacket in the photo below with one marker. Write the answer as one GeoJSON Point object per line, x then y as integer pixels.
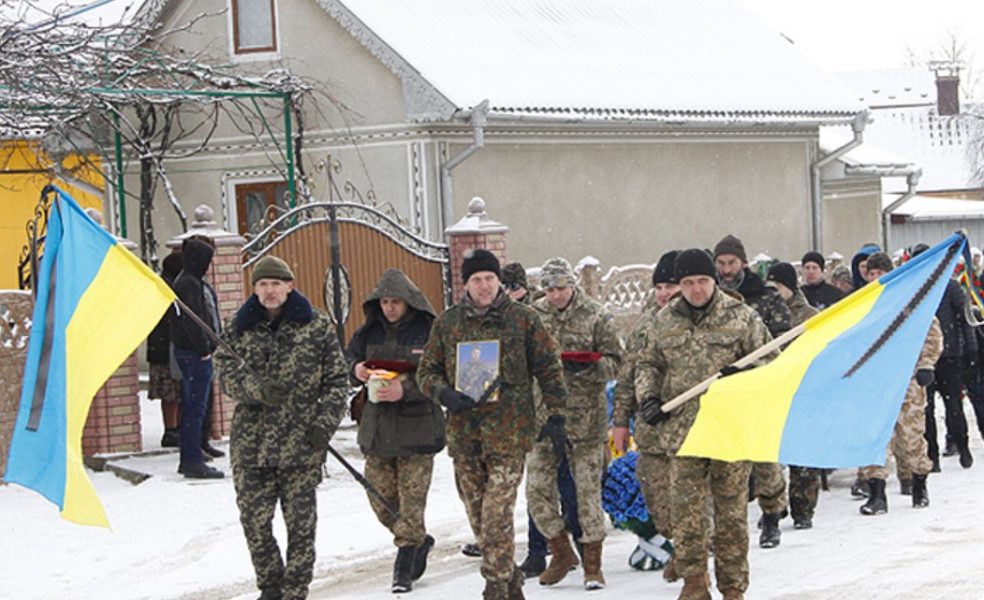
{"type": "Point", "coordinates": [584, 326]}
{"type": "Point", "coordinates": [625, 404]}
{"type": "Point", "coordinates": [527, 350]}
{"type": "Point", "coordinates": [684, 347]}
{"type": "Point", "coordinates": [799, 308]}
{"type": "Point", "coordinates": [300, 351]}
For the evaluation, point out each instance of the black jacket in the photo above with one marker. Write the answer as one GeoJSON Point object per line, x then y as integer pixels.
{"type": "Point", "coordinates": [190, 289]}
{"type": "Point", "coordinates": [958, 336]}
{"type": "Point", "coordinates": [821, 295]}
{"type": "Point", "coordinates": [159, 340]}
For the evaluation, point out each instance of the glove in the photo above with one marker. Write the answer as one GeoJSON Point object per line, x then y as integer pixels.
{"type": "Point", "coordinates": [731, 370]}
{"type": "Point", "coordinates": [651, 411]}
{"type": "Point", "coordinates": [455, 401]}
{"type": "Point", "coordinates": [925, 377]}
{"type": "Point", "coordinates": [576, 367]}
{"type": "Point", "coordinates": [317, 437]}
{"type": "Point", "coordinates": [554, 430]}
{"type": "Point", "coordinates": [273, 393]}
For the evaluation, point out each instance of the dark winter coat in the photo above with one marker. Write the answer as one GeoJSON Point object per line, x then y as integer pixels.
{"type": "Point", "coordinates": [862, 255]}
{"type": "Point", "coordinates": [766, 301]}
{"type": "Point", "coordinates": [959, 341]}
{"type": "Point", "coordinates": [190, 289]}
{"type": "Point", "coordinates": [415, 424]}
{"type": "Point", "coordinates": [299, 351]}
{"type": "Point", "coordinates": [159, 340]}
{"type": "Point", "coordinates": [821, 295]}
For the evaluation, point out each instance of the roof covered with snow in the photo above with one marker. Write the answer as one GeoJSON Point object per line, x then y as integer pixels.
{"type": "Point", "coordinates": [583, 59]}
{"type": "Point", "coordinates": [98, 13]}
{"type": "Point", "coordinates": [928, 207]}
{"type": "Point", "coordinates": [892, 87]}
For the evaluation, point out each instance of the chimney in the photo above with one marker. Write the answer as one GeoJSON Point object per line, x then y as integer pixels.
{"type": "Point", "coordinates": [947, 87]}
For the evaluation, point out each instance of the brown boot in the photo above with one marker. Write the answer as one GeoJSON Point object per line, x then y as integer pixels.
{"type": "Point", "coordinates": [695, 587]}
{"type": "Point", "coordinates": [562, 560]}
{"type": "Point", "coordinates": [593, 577]}
{"type": "Point", "coordinates": [733, 595]}
{"type": "Point", "coordinates": [669, 572]}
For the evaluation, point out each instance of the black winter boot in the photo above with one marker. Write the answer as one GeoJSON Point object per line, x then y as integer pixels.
{"type": "Point", "coordinates": [951, 447]}
{"type": "Point", "coordinates": [877, 503]}
{"type": "Point", "coordinates": [420, 557]}
{"type": "Point", "coordinates": [905, 487]}
{"type": "Point", "coordinates": [920, 497]}
{"type": "Point", "coordinates": [966, 458]}
{"type": "Point", "coordinates": [860, 488]}
{"type": "Point", "coordinates": [532, 566]}
{"type": "Point", "coordinates": [170, 439]}
{"type": "Point", "coordinates": [403, 570]}
{"type": "Point", "coordinates": [770, 531]}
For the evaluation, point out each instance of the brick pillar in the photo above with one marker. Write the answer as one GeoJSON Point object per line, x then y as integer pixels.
{"type": "Point", "coordinates": [16, 310]}
{"type": "Point", "coordinates": [226, 276]}
{"type": "Point", "coordinates": [113, 424]}
{"type": "Point", "coordinates": [474, 230]}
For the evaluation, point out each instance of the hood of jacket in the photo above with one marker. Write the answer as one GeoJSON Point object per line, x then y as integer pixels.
{"type": "Point", "coordinates": [395, 284]}
{"type": "Point", "coordinates": [196, 256]}
{"type": "Point", "coordinates": [862, 254]}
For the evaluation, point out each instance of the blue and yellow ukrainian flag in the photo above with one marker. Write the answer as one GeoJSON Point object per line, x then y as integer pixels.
{"type": "Point", "coordinates": [832, 397]}
{"type": "Point", "coordinates": [95, 303]}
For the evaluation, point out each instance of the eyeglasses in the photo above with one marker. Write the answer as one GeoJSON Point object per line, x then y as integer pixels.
{"type": "Point", "coordinates": [513, 286]}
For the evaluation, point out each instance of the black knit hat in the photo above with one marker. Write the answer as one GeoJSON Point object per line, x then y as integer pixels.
{"type": "Point", "coordinates": [477, 260]}
{"type": "Point", "coordinates": [663, 273]}
{"type": "Point", "coordinates": [694, 262]}
{"type": "Point", "coordinates": [729, 244]}
{"type": "Point", "coordinates": [514, 272]}
{"type": "Point", "coordinates": [783, 273]}
{"type": "Point", "coordinates": [814, 257]}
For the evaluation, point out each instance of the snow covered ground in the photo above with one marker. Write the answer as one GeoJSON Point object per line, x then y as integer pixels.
{"type": "Point", "coordinates": [172, 539]}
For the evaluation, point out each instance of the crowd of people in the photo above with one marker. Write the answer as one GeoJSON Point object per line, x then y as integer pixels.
{"type": "Point", "coordinates": [512, 380]}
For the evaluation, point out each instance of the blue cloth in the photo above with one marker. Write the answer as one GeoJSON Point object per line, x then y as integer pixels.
{"type": "Point", "coordinates": [568, 508]}
{"type": "Point", "coordinates": [196, 378]}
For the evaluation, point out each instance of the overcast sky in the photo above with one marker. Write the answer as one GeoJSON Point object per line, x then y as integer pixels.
{"type": "Point", "coordinates": [849, 35]}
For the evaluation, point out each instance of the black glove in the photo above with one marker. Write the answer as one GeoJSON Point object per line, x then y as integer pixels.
{"type": "Point", "coordinates": [455, 401]}
{"type": "Point", "coordinates": [575, 366]}
{"type": "Point", "coordinates": [651, 411]}
{"type": "Point", "coordinates": [317, 437]}
{"type": "Point", "coordinates": [554, 429]}
{"type": "Point", "coordinates": [731, 370]}
{"type": "Point", "coordinates": [273, 393]}
{"type": "Point", "coordinates": [925, 377]}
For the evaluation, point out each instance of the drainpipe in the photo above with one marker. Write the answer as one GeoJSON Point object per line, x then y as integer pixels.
{"type": "Point", "coordinates": [857, 124]}
{"type": "Point", "coordinates": [912, 179]}
{"type": "Point", "coordinates": [479, 117]}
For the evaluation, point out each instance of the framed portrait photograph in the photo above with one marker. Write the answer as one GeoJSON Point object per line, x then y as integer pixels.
{"type": "Point", "coordinates": [478, 367]}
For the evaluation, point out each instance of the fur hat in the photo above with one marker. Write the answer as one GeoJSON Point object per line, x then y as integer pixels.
{"type": "Point", "coordinates": [663, 273]}
{"type": "Point", "coordinates": [729, 244]}
{"type": "Point", "coordinates": [478, 260]}
{"type": "Point", "coordinates": [694, 262]}
{"type": "Point", "coordinates": [557, 273]}
{"type": "Point", "coordinates": [783, 273]}
{"type": "Point", "coordinates": [814, 257]}
{"type": "Point", "coordinates": [271, 267]}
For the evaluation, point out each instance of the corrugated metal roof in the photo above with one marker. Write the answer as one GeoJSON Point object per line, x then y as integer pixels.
{"type": "Point", "coordinates": [619, 59]}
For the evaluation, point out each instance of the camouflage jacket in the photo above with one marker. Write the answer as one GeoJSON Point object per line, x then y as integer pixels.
{"type": "Point", "coordinates": [585, 326]}
{"type": "Point", "coordinates": [298, 350]}
{"type": "Point", "coordinates": [625, 403]}
{"type": "Point", "coordinates": [526, 351]}
{"type": "Point", "coordinates": [799, 309]}
{"type": "Point", "coordinates": [766, 301]}
{"type": "Point", "coordinates": [932, 347]}
{"type": "Point", "coordinates": [684, 347]}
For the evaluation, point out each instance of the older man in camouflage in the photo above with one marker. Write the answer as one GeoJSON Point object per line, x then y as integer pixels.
{"type": "Point", "coordinates": [731, 262]}
{"type": "Point", "coordinates": [290, 397]}
{"type": "Point", "coordinates": [698, 334]}
{"type": "Point", "coordinates": [488, 442]}
{"type": "Point", "coordinates": [582, 327]}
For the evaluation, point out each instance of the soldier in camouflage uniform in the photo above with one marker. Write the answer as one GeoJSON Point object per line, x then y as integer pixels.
{"type": "Point", "coordinates": [804, 482]}
{"type": "Point", "coordinates": [401, 431]}
{"type": "Point", "coordinates": [653, 468]}
{"type": "Point", "coordinates": [290, 397]}
{"type": "Point", "coordinates": [768, 484]}
{"type": "Point", "coordinates": [908, 441]}
{"type": "Point", "coordinates": [579, 324]}
{"type": "Point", "coordinates": [696, 335]}
{"type": "Point", "coordinates": [488, 443]}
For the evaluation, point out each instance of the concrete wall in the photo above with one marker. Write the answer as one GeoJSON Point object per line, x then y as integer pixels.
{"type": "Point", "coordinates": [851, 215]}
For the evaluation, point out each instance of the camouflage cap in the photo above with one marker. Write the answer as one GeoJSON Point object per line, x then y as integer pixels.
{"type": "Point", "coordinates": [557, 273]}
{"type": "Point", "coordinates": [841, 273]}
{"type": "Point", "coordinates": [514, 273]}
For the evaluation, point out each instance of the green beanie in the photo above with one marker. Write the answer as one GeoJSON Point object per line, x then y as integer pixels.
{"type": "Point", "coordinates": [271, 267]}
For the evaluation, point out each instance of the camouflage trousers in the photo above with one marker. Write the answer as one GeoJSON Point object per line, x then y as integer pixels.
{"type": "Point", "coordinates": [258, 489]}
{"type": "Point", "coordinates": [804, 490]}
{"type": "Point", "coordinates": [587, 462]}
{"type": "Point", "coordinates": [403, 482]}
{"type": "Point", "coordinates": [908, 442]}
{"type": "Point", "coordinates": [487, 485]}
{"type": "Point", "coordinates": [654, 472]}
{"type": "Point", "coordinates": [770, 487]}
{"type": "Point", "coordinates": [695, 482]}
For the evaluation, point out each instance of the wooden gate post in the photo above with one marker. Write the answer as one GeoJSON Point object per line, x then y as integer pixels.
{"type": "Point", "coordinates": [226, 276]}
{"type": "Point", "coordinates": [474, 230]}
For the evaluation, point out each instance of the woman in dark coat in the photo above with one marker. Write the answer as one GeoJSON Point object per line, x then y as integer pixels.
{"type": "Point", "coordinates": [400, 429]}
{"type": "Point", "coordinates": [163, 384]}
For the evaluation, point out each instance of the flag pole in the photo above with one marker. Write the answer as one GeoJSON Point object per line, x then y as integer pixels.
{"type": "Point", "coordinates": [744, 361]}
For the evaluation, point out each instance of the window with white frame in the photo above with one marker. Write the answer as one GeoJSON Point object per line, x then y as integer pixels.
{"type": "Point", "coordinates": [254, 27]}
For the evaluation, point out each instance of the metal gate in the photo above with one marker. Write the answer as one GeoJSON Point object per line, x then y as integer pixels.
{"type": "Point", "coordinates": [350, 242]}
